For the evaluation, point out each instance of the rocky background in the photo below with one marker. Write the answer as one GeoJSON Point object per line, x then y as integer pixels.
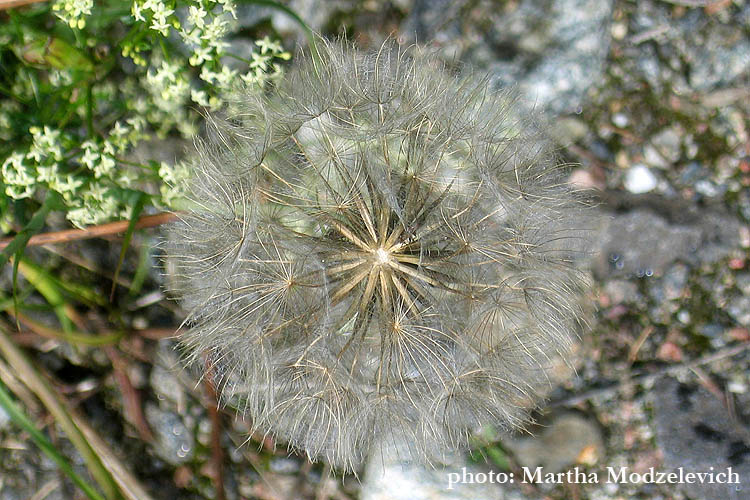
{"type": "Point", "coordinates": [650, 104]}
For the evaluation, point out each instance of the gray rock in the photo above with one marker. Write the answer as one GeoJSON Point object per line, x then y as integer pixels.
{"type": "Point", "coordinates": [174, 441]}
{"type": "Point", "coordinates": [668, 143]}
{"type": "Point", "coordinates": [391, 475]}
{"type": "Point", "coordinates": [552, 50]}
{"type": "Point", "coordinates": [653, 158]}
{"type": "Point", "coordinates": [621, 291]}
{"type": "Point", "coordinates": [695, 432]}
{"type": "Point", "coordinates": [166, 385]}
{"type": "Point", "coordinates": [642, 242]}
{"type": "Point", "coordinates": [743, 283]}
{"type": "Point", "coordinates": [316, 14]}
{"type": "Point", "coordinates": [674, 281]}
{"type": "Point", "coordinates": [283, 465]}
{"type": "Point", "coordinates": [693, 52]}
{"type": "Point", "coordinates": [711, 330]}
{"type": "Point", "coordinates": [739, 309]}
{"type": "Point", "coordinates": [720, 60]}
{"type": "Point", "coordinates": [560, 445]}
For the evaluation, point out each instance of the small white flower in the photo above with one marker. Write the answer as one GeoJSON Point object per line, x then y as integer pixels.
{"type": "Point", "coordinates": [18, 192]}
{"type": "Point", "coordinates": [226, 76]}
{"type": "Point", "coordinates": [175, 178]}
{"type": "Point", "coordinates": [137, 11]}
{"type": "Point", "coordinates": [200, 97]}
{"type": "Point", "coordinates": [45, 144]}
{"type": "Point", "coordinates": [19, 181]}
{"type": "Point", "coordinates": [105, 167]}
{"type": "Point", "coordinates": [66, 185]}
{"type": "Point", "coordinates": [126, 179]}
{"type": "Point", "coordinates": [90, 155]}
{"type": "Point", "coordinates": [259, 61]}
{"type": "Point", "coordinates": [215, 31]}
{"type": "Point", "coordinates": [201, 55]}
{"type": "Point", "coordinates": [266, 45]}
{"type": "Point", "coordinates": [119, 130]}
{"type": "Point", "coordinates": [191, 38]}
{"type": "Point", "coordinates": [196, 15]}
{"type": "Point", "coordinates": [96, 191]}
{"type": "Point", "coordinates": [160, 26]}
{"type": "Point", "coordinates": [86, 215]}
{"type": "Point", "coordinates": [252, 77]}
{"type": "Point", "coordinates": [229, 7]}
{"type": "Point", "coordinates": [15, 171]}
{"type": "Point", "coordinates": [108, 148]}
{"type": "Point", "coordinates": [208, 76]}
{"type": "Point", "coordinates": [137, 123]}
{"type": "Point", "coordinates": [47, 174]}
{"type": "Point", "coordinates": [159, 19]}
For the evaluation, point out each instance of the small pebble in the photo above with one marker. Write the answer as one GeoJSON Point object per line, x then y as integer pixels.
{"type": "Point", "coordinates": [620, 120]}
{"type": "Point", "coordinates": [619, 31]}
{"type": "Point", "coordinates": [639, 179]}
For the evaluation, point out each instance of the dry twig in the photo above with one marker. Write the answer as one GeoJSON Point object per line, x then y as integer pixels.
{"type": "Point", "coordinates": [94, 231]}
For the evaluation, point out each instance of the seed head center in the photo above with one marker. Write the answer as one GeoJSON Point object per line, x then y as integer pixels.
{"type": "Point", "coordinates": [382, 256]}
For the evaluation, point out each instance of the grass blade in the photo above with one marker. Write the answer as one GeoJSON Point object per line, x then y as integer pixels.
{"type": "Point", "coordinates": [286, 10]}
{"type": "Point", "coordinates": [45, 285]}
{"type": "Point", "coordinates": [137, 209]}
{"type": "Point", "coordinates": [39, 386]}
{"type": "Point", "coordinates": [21, 420]}
{"type": "Point", "coordinates": [52, 202]}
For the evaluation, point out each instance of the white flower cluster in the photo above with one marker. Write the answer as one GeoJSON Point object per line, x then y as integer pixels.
{"type": "Point", "coordinates": [73, 12]}
{"type": "Point", "coordinates": [158, 15]}
{"type": "Point", "coordinates": [23, 172]}
{"type": "Point", "coordinates": [169, 92]}
{"type": "Point", "coordinates": [92, 176]}
{"type": "Point", "coordinates": [18, 178]}
{"type": "Point", "coordinates": [91, 199]}
{"type": "Point", "coordinates": [175, 178]}
{"type": "Point", "coordinates": [170, 87]}
{"type": "Point", "coordinates": [262, 66]}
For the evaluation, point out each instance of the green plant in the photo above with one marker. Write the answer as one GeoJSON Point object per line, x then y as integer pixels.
{"type": "Point", "coordinates": [78, 95]}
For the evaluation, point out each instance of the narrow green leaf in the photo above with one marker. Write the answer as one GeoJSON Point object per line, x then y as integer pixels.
{"type": "Point", "coordinates": [40, 279]}
{"type": "Point", "coordinates": [52, 202]}
{"type": "Point", "coordinates": [137, 209]}
{"type": "Point", "coordinates": [141, 272]}
{"type": "Point", "coordinates": [57, 407]}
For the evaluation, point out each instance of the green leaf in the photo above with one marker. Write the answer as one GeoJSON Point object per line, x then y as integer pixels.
{"type": "Point", "coordinates": [52, 202]}
{"type": "Point", "coordinates": [141, 272]}
{"type": "Point", "coordinates": [43, 51]}
{"type": "Point", "coordinates": [137, 209]}
{"type": "Point", "coordinates": [50, 290]}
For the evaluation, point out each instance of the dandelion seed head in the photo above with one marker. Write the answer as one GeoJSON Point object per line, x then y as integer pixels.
{"type": "Point", "coordinates": [376, 250]}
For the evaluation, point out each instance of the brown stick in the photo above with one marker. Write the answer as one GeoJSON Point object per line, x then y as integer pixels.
{"type": "Point", "coordinates": [217, 452]}
{"type": "Point", "coordinates": [94, 231]}
{"type": "Point", "coordinates": [9, 4]}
